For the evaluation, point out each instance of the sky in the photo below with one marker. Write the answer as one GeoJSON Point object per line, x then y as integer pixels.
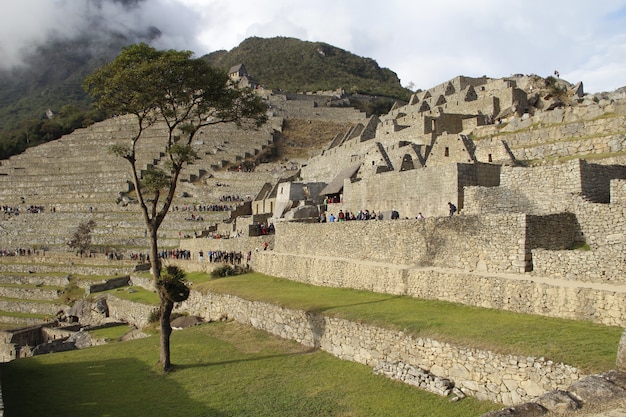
{"type": "Point", "coordinates": [424, 42]}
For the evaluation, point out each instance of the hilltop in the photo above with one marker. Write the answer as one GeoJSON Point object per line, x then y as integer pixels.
{"type": "Point", "coordinates": [292, 65]}
{"type": "Point", "coordinates": [44, 100]}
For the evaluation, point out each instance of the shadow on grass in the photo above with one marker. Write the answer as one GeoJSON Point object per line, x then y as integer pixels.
{"type": "Point", "coordinates": [317, 321]}
{"type": "Point", "coordinates": [321, 309]}
{"type": "Point", "coordinates": [177, 367]}
{"type": "Point", "coordinates": [116, 387]}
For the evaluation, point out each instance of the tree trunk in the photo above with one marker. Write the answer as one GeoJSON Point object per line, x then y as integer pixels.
{"type": "Point", "coordinates": [165, 307]}
{"type": "Point", "coordinates": [166, 330]}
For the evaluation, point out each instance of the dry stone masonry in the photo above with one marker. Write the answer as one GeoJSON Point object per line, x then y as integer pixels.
{"type": "Point", "coordinates": [533, 179]}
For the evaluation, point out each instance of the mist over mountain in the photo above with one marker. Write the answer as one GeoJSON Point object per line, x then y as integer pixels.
{"type": "Point", "coordinates": [49, 77]}
{"type": "Point", "coordinates": [42, 86]}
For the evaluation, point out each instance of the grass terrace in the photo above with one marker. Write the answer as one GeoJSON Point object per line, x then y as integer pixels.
{"type": "Point", "coordinates": [221, 369]}
{"type": "Point", "coordinates": [588, 346]}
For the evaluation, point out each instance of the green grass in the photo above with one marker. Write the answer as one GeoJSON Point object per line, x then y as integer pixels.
{"type": "Point", "coordinates": [135, 294]}
{"type": "Point", "coordinates": [197, 277]}
{"type": "Point", "coordinates": [22, 300]}
{"type": "Point", "coordinates": [97, 277]}
{"type": "Point", "coordinates": [221, 369]}
{"type": "Point", "coordinates": [111, 333]}
{"type": "Point", "coordinates": [24, 315]}
{"type": "Point", "coordinates": [588, 346]}
{"type": "Point", "coordinates": [580, 246]}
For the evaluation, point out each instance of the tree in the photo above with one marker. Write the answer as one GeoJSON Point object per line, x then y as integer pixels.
{"type": "Point", "coordinates": [81, 239]}
{"type": "Point", "coordinates": [186, 95]}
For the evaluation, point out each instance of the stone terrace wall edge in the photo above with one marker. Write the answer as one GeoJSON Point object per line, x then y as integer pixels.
{"type": "Point", "coordinates": [493, 242]}
{"type": "Point", "coordinates": [504, 379]}
{"type": "Point", "coordinates": [521, 294]}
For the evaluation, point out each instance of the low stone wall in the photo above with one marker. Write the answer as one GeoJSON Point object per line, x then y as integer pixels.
{"type": "Point", "coordinates": [128, 311]}
{"type": "Point", "coordinates": [580, 265]}
{"type": "Point", "coordinates": [26, 293]}
{"type": "Point", "coordinates": [104, 285]}
{"type": "Point", "coordinates": [526, 293]}
{"type": "Point", "coordinates": [486, 375]}
{"type": "Point", "coordinates": [30, 308]}
{"type": "Point", "coordinates": [35, 280]}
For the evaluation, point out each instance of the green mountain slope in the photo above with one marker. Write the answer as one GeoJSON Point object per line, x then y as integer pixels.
{"type": "Point", "coordinates": [53, 74]}
{"type": "Point", "coordinates": [293, 65]}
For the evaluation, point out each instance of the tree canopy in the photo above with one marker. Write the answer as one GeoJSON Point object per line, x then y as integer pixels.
{"type": "Point", "coordinates": [185, 94]}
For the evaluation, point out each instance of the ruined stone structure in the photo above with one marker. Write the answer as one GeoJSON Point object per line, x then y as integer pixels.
{"type": "Point", "coordinates": [475, 142]}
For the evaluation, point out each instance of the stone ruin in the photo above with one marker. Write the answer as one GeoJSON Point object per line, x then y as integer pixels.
{"type": "Point", "coordinates": [518, 163]}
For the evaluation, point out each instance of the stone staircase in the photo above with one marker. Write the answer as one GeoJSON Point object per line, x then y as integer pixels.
{"type": "Point", "coordinates": [76, 179]}
{"type": "Point", "coordinates": [32, 286]}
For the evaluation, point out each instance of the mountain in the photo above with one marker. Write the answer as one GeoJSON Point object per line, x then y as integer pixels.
{"type": "Point", "coordinates": [289, 64]}
{"type": "Point", "coordinates": [49, 83]}
{"type": "Point", "coordinates": [51, 76]}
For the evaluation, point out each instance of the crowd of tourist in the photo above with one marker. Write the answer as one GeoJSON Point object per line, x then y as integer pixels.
{"type": "Point", "coordinates": [265, 229]}
{"type": "Point", "coordinates": [236, 198]}
{"type": "Point", "coordinates": [219, 256]}
{"type": "Point", "coordinates": [203, 207]}
{"type": "Point", "coordinates": [16, 210]}
{"type": "Point", "coordinates": [19, 252]}
{"type": "Point", "coordinates": [348, 216]}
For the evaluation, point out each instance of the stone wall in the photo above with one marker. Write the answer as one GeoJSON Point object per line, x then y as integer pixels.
{"type": "Point", "coordinates": [128, 311]}
{"type": "Point", "coordinates": [419, 190]}
{"type": "Point", "coordinates": [539, 190]}
{"type": "Point", "coordinates": [566, 189]}
{"type": "Point", "coordinates": [528, 293]}
{"type": "Point", "coordinates": [404, 257]}
{"type": "Point", "coordinates": [544, 189]}
{"type": "Point", "coordinates": [600, 265]}
{"type": "Point", "coordinates": [618, 192]}
{"type": "Point", "coordinates": [458, 242]}
{"type": "Point", "coordinates": [486, 375]}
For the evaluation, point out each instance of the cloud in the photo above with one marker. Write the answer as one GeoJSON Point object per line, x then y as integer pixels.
{"type": "Point", "coordinates": [424, 43]}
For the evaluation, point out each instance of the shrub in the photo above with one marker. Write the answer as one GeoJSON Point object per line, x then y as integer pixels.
{"type": "Point", "coordinates": [154, 316]}
{"type": "Point", "coordinates": [229, 270]}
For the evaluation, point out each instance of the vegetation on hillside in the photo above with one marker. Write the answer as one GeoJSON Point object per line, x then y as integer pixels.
{"type": "Point", "coordinates": [50, 82]}
{"type": "Point", "coordinates": [293, 65]}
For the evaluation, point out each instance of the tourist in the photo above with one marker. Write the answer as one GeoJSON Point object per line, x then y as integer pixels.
{"type": "Point", "coordinates": [452, 208]}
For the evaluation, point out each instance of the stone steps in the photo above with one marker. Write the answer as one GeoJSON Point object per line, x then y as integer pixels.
{"type": "Point", "coordinates": [28, 285]}
{"type": "Point", "coordinates": [29, 292]}
{"type": "Point", "coordinates": [67, 265]}
{"type": "Point", "coordinates": [19, 321]}
{"type": "Point", "coordinates": [77, 179]}
{"type": "Point", "coordinates": [37, 280]}
{"type": "Point", "coordinates": [24, 306]}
